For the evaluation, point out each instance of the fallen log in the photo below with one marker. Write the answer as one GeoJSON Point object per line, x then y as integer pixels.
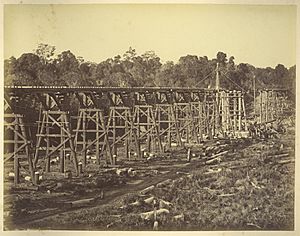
{"type": "Point", "coordinates": [147, 190]}
{"type": "Point", "coordinates": [210, 171]}
{"type": "Point", "coordinates": [149, 200]}
{"type": "Point", "coordinates": [216, 155]}
{"type": "Point", "coordinates": [279, 155]}
{"type": "Point", "coordinates": [214, 160]}
{"type": "Point", "coordinates": [285, 161]}
{"type": "Point", "coordinates": [181, 172]}
{"type": "Point", "coordinates": [226, 195]}
{"type": "Point", "coordinates": [179, 217]}
{"type": "Point", "coordinates": [164, 204]}
{"type": "Point", "coordinates": [82, 202]}
{"type": "Point", "coordinates": [139, 202]}
{"type": "Point", "coordinates": [122, 172]}
{"type": "Point", "coordinates": [164, 183]}
{"type": "Point", "coordinates": [148, 215]}
{"type": "Point", "coordinates": [25, 188]}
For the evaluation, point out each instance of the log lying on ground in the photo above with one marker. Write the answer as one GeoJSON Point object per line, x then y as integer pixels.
{"type": "Point", "coordinates": [122, 172]}
{"type": "Point", "coordinates": [82, 202]}
{"type": "Point", "coordinates": [214, 160]}
{"type": "Point", "coordinates": [279, 155]}
{"type": "Point", "coordinates": [148, 215]}
{"type": "Point", "coordinates": [25, 188]}
{"type": "Point", "coordinates": [147, 190]}
{"type": "Point", "coordinates": [149, 200]}
{"type": "Point", "coordinates": [181, 172]}
{"type": "Point", "coordinates": [164, 183]}
{"type": "Point", "coordinates": [285, 161]}
{"type": "Point", "coordinates": [139, 202]}
{"type": "Point", "coordinates": [179, 217]}
{"type": "Point", "coordinates": [226, 195]}
{"type": "Point", "coordinates": [216, 155]}
{"type": "Point", "coordinates": [210, 171]}
{"type": "Point", "coordinates": [164, 204]}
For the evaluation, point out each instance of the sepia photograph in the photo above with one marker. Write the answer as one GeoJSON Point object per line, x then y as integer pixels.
{"type": "Point", "coordinates": [149, 117]}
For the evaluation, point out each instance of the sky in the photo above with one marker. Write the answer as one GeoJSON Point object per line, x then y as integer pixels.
{"type": "Point", "coordinates": [256, 34]}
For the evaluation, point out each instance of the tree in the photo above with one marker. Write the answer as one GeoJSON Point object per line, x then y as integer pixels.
{"type": "Point", "coordinates": [165, 76]}
{"type": "Point", "coordinates": [45, 52]}
{"type": "Point", "coordinates": [221, 57]}
{"type": "Point", "coordinates": [67, 69]}
{"type": "Point", "coordinates": [280, 76]}
{"type": "Point", "coordinates": [130, 54]}
{"type": "Point", "coordinates": [9, 71]}
{"type": "Point", "coordinates": [27, 68]}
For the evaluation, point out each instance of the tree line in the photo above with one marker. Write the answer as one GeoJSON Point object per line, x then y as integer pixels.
{"type": "Point", "coordinates": [44, 67]}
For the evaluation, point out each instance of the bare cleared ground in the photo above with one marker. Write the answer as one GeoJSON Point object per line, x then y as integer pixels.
{"type": "Point", "coordinates": [251, 187]}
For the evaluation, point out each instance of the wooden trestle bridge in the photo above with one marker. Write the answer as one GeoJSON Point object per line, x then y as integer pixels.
{"type": "Point", "coordinates": [120, 121]}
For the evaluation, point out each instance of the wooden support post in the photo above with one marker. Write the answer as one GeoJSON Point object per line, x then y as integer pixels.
{"type": "Point", "coordinates": [149, 127]}
{"type": "Point", "coordinates": [80, 167]}
{"type": "Point", "coordinates": [169, 134]}
{"type": "Point", "coordinates": [261, 107]}
{"type": "Point", "coordinates": [16, 158]}
{"type": "Point", "coordinates": [148, 143]}
{"type": "Point", "coordinates": [178, 135]}
{"type": "Point", "coordinates": [127, 141]}
{"type": "Point", "coordinates": [84, 140]}
{"type": "Point", "coordinates": [115, 151]}
{"type": "Point", "coordinates": [97, 138]}
{"type": "Point", "coordinates": [39, 140]}
{"type": "Point", "coordinates": [16, 170]}
{"type": "Point", "coordinates": [227, 113]}
{"type": "Point", "coordinates": [234, 112]}
{"type": "Point", "coordinates": [47, 143]}
{"type": "Point", "coordinates": [201, 121]}
{"type": "Point", "coordinates": [239, 110]}
{"type": "Point", "coordinates": [26, 146]}
{"type": "Point", "coordinates": [222, 112]}
{"type": "Point", "coordinates": [36, 179]}
{"type": "Point", "coordinates": [62, 152]}
{"type": "Point", "coordinates": [217, 113]}
{"type": "Point", "coordinates": [71, 143]}
{"type": "Point", "coordinates": [189, 155]}
{"type": "Point", "coordinates": [106, 140]}
{"type": "Point", "coordinates": [244, 114]}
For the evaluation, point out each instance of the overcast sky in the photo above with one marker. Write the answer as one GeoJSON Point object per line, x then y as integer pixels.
{"type": "Point", "coordinates": [260, 35]}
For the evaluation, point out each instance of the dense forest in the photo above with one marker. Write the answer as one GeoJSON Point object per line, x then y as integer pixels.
{"type": "Point", "coordinates": [45, 67]}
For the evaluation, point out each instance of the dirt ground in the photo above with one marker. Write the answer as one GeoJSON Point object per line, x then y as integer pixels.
{"type": "Point", "coordinates": [240, 184]}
